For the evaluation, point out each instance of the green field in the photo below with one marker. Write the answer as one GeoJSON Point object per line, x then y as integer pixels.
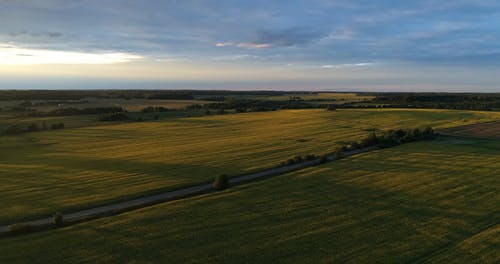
{"type": "Point", "coordinates": [75, 168]}
{"type": "Point", "coordinates": [431, 201]}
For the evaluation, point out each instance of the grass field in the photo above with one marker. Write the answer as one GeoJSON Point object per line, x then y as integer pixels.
{"type": "Point", "coordinates": [428, 201]}
{"type": "Point", "coordinates": [75, 168]}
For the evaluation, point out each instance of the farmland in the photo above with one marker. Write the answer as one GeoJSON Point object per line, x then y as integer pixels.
{"type": "Point", "coordinates": [427, 201]}
{"type": "Point", "coordinates": [489, 130]}
{"type": "Point", "coordinates": [134, 106]}
{"type": "Point", "coordinates": [69, 169]}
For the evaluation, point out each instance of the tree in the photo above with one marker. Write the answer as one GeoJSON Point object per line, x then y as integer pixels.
{"type": "Point", "coordinates": [220, 182]}
{"type": "Point", "coordinates": [323, 158]}
{"type": "Point", "coordinates": [331, 107]}
{"type": "Point", "coordinates": [13, 129]}
{"type": "Point", "coordinates": [339, 153]}
{"type": "Point", "coordinates": [33, 127]}
{"type": "Point", "coordinates": [370, 140]}
{"type": "Point", "coordinates": [57, 126]}
{"type": "Point", "coordinates": [58, 219]}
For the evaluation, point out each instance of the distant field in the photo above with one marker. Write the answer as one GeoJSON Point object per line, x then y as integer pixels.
{"type": "Point", "coordinates": [77, 121]}
{"type": "Point", "coordinates": [488, 130]}
{"type": "Point", "coordinates": [129, 105]}
{"type": "Point", "coordinates": [73, 168]}
{"type": "Point", "coordinates": [428, 201]}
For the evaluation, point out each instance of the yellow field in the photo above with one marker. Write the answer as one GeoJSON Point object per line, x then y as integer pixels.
{"type": "Point", "coordinates": [74, 168]}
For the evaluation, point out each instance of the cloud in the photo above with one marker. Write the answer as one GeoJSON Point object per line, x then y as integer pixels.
{"type": "Point", "coordinates": [35, 34]}
{"type": "Point", "coordinates": [224, 44]}
{"type": "Point", "coordinates": [287, 37]}
{"type": "Point", "coordinates": [347, 65]}
{"type": "Point", "coordinates": [254, 45]}
{"type": "Point", "coordinates": [14, 55]}
{"type": "Point", "coordinates": [276, 38]}
{"type": "Point", "coordinates": [244, 45]}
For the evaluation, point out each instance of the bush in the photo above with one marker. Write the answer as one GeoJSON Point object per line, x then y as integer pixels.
{"type": "Point", "coordinates": [57, 126]}
{"type": "Point", "coordinates": [290, 161]}
{"type": "Point", "coordinates": [221, 112]}
{"type": "Point", "coordinates": [13, 130]}
{"type": "Point", "coordinates": [33, 127]}
{"type": "Point", "coordinates": [17, 229]}
{"type": "Point", "coordinates": [331, 107]}
{"type": "Point", "coordinates": [339, 153]}
{"type": "Point", "coordinates": [310, 157]}
{"type": "Point", "coordinates": [220, 182]}
{"type": "Point", "coordinates": [58, 219]}
{"type": "Point", "coordinates": [151, 109]}
{"type": "Point", "coordinates": [323, 158]}
{"type": "Point", "coordinates": [297, 159]}
{"type": "Point", "coordinates": [113, 117]}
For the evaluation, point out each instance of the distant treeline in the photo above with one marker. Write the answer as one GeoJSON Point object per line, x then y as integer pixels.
{"type": "Point", "coordinates": [7, 95]}
{"type": "Point", "coordinates": [75, 111]}
{"type": "Point", "coordinates": [485, 102]}
{"type": "Point", "coordinates": [253, 105]}
{"type": "Point", "coordinates": [121, 116]}
{"type": "Point", "coordinates": [15, 129]}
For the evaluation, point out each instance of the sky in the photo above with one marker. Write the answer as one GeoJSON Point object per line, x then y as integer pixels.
{"type": "Point", "coordinates": [330, 45]}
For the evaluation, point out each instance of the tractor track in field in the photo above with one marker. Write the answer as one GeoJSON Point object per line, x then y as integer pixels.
{"type": "Point", "coordinates": [149, 200]}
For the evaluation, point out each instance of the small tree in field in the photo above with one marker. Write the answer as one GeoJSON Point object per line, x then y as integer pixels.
{"type": "Point", "coordinates": [58, 219]}
{"type": "Point", "coordinates": [339, 153]}
{"type": "Point", "coordinates": [220, 182]}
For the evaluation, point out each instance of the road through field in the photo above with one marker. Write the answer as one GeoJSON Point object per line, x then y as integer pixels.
{"type": "Point", "coordinates": [116, 208]}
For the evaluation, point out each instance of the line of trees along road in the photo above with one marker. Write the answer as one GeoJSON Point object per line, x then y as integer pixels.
{"type": "Point", "coordinates": [383, 140]}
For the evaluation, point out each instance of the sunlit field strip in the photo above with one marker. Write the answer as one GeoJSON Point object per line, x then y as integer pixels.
{"type": "Point", "coordinates": [59, 170]}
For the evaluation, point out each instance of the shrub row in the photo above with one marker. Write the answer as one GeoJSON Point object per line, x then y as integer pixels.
{"type": "Point", "coordinates": [300, 159]}
{"type": "Point", "coordinates": [113, 117]}
{"type": "Point", "coordinates": [32, 127]}
{"type": "Point", "coordinates": [384, 139]}
{"type": "Point", "coordinates": [153, 109]}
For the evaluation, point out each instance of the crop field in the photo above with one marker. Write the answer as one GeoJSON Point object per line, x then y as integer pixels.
{"type": "Point", "coordinates": [69, 169]}
{"type": "Point", "coordinates": [431, 201]}
{"type": "Point", "coordinates": [488, 130]}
